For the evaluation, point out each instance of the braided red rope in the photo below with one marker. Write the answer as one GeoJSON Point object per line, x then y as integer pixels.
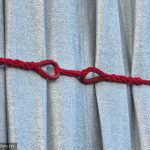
{"type": "Point", "coordinates": [81, 75]}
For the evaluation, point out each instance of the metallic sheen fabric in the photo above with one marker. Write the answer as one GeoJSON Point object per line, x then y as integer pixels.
{"type": "Point", "coordinates": [65, 114]}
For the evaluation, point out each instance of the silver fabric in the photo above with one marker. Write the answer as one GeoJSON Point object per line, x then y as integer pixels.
{"type": "Point", "coordinates": [66, 114]}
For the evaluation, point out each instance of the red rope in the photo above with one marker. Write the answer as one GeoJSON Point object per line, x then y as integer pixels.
{"type": "Point", "coordinates": [81, 75]}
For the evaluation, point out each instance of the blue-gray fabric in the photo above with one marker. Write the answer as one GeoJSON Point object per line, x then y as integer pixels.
{"type": "Point", "coordinates": [65, 114]}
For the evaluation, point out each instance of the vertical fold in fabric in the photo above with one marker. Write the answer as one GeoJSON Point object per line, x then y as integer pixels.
{"type": "Point", "coordinates": [112, 97]}
{"type": "Point", "coordinates": [140, 67]}
{"type": "Point", "coordinates": [127, 17]}
{"type": "Point", "coordinates": [3, 122]}
{"type": "Point", "coordinates": [26, 90]}
{"type": "Point", "coordinates": [127, 21]}
{"type": "Point", "coordinates": [73, 121]}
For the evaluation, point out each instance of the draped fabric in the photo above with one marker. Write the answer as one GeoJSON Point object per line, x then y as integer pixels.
{"type": "Point", "coordinates": [65, 114]}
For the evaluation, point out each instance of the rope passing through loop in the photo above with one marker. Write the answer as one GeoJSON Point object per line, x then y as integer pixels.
{"type": "Point", "coordinates": [80, 74]}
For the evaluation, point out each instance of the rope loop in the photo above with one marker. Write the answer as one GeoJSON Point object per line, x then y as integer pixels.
{"type": "Point", "coordinates": [101, 75]}
{"type": "Point", "coordinates": [44, 73]}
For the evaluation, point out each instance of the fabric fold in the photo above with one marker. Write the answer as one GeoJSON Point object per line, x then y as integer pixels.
{"type": "Point", "coordinates": [73, 121]}
{"type": "Point", "coordinates": [26, 90]}
{"type": "Point", "coordinates": [140, 67]}
{"type": "Point", "coordinates": [112, 97]}
{"type": "Point", "coordinates": [3, 110]}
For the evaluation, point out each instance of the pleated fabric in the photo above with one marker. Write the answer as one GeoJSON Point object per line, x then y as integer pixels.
{"type": "Point", "coordinates": [65, 114]}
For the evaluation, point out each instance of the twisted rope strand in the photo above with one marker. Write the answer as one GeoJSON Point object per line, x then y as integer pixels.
{"type": "Point", "coordinates": [80, 74]}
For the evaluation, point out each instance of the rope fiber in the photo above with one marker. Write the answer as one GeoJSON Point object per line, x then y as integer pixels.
{"type": "Point", "coordinates": [80, 74]}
